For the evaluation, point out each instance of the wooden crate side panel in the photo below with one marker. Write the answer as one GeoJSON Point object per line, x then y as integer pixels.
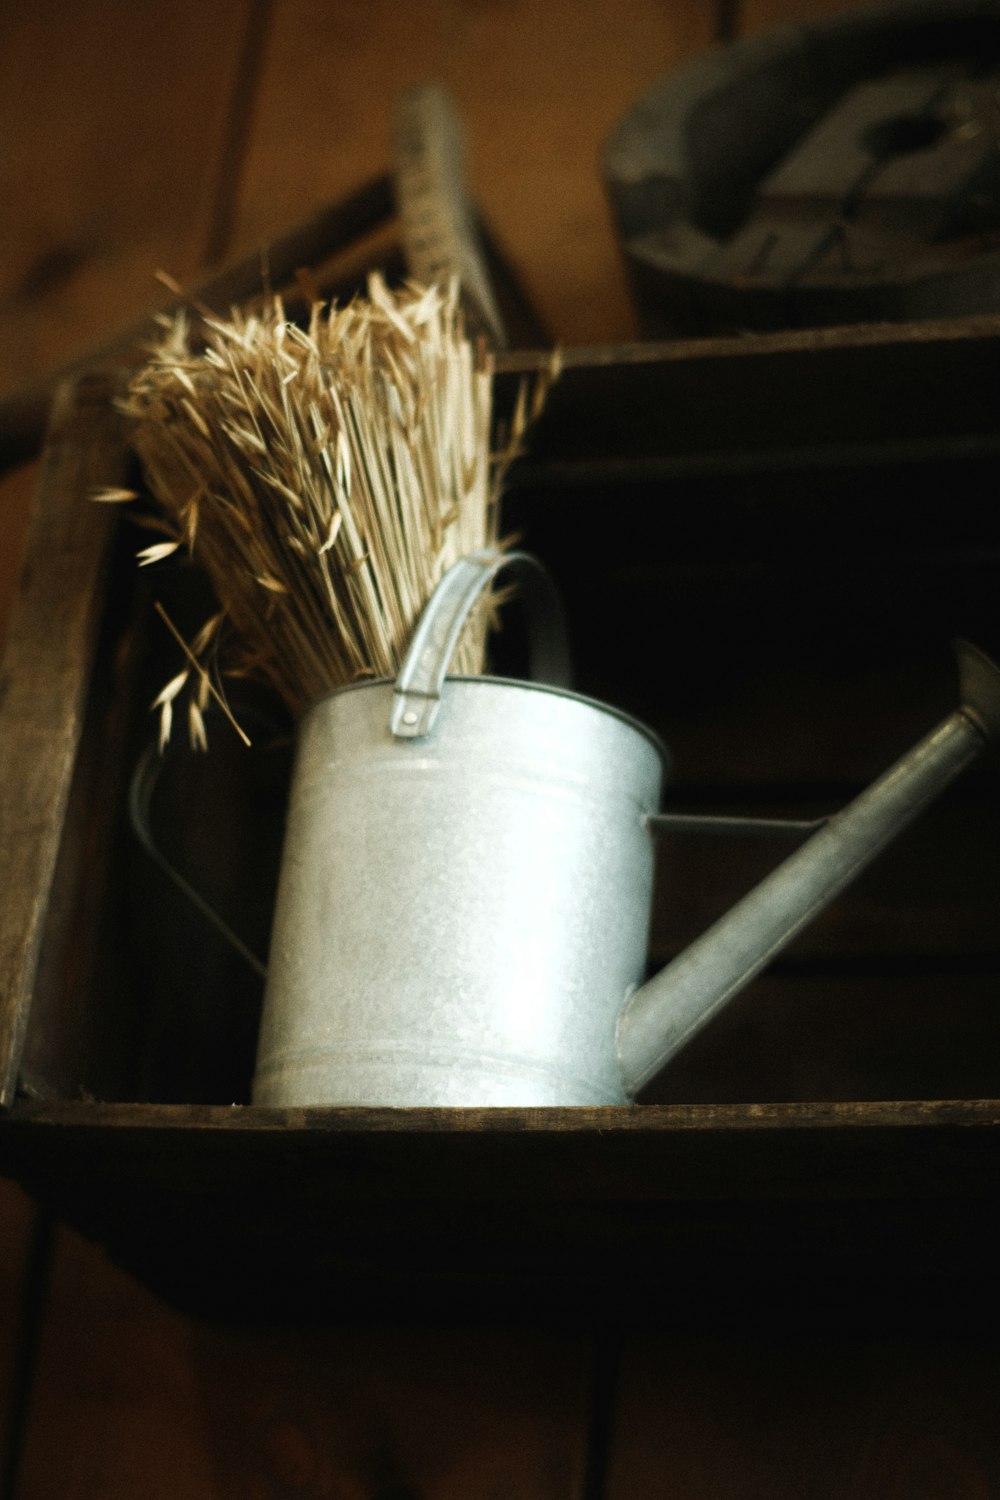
{"type": "Point", "coordinates": [17, 1243]}
{"type": "Point", "coordinates": [44, 682]}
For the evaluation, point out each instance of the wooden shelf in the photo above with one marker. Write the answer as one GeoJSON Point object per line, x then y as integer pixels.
{"type": "Point", "coordinates": [765, 546]}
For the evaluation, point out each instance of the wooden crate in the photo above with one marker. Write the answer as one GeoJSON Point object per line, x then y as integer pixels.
{"type": "Point", "coordinates": [766, 546]}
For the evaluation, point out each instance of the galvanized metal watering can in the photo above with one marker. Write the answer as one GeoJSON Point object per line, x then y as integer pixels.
{"type": "Point", "coordinates": [465, 893]}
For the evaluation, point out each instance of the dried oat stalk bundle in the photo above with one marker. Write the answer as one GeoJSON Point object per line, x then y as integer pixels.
{"type": "Point", "coordinates": [325, 478]}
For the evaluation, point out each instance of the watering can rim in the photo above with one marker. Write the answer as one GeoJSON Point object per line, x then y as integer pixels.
{"type": "Point", "coordinates": [492, 680]}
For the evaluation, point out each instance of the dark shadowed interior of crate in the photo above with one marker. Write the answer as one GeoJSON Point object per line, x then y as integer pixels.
{"type": "Point", "coordinates": [765, 554]}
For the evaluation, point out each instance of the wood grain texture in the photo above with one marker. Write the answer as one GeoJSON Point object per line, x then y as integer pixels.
{"type": "Point", "coordinates": [23, 410]}
{"type": "Point", "coordinates": [16, 1220]}
{"type": "Point", "coordinates": [147, 1402]}
{"type": "Point", "coordinates": [759, 15]}
{"type": "Point", "coordinates": [43, 683]}
{"type": "Point", "coordinates": [114, 118]}
{"type": "Point", "coordinates": [132, 1399]}
{"type": "Point", "coordinates": [444, 1414]}
{"type": "Point", "coordinates": [16, 491]}
{"type": "Point", "coordinates": [537, 88]}
{"type": "Point", "coordinates": [116, 1410]}
{"type": "Point", "coordinates": [851, 1209]}
{"type": "Point", "coordinates": [912, 1418]}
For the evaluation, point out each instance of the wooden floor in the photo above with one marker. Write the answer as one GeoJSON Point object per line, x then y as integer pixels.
{"type": "Point", "coordinates": [172, 136]}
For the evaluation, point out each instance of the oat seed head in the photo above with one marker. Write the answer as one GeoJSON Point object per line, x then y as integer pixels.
{"type": "Point", "coordinates": [324, 478]}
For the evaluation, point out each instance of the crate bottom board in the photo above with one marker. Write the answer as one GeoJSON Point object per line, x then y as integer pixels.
{"type": "Point", "coordinates": [686, 1215]}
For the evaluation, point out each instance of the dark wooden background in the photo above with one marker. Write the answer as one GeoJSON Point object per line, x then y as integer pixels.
{"type": "Point", "coordinates": [162, 134]}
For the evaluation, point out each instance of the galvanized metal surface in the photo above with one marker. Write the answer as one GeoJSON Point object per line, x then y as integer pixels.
{"type": "Point", "coordinates": [439, 629]}
{"type": "Point", "coordinates": [662, 1017]}
{"type": "Point", "coordinates": [461, 917]}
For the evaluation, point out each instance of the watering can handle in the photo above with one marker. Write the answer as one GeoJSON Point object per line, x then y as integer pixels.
{"type": "Point", "coordinates": [417, 688]}
{"type": "Point", "coordinates": [140, 796]}
{"type": "Point", "coordinates": [417, 695]}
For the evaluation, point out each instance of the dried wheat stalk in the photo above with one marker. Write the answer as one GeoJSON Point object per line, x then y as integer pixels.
{"type": "Point", "coordinates": [325, 478]}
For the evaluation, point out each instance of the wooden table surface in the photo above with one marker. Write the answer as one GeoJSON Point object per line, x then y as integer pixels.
{"type": "Point", "coordinates": [144, 136]}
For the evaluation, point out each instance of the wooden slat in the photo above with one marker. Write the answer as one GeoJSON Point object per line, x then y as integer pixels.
{"type": "Point", "coordinates": [841, 398]}
{"type": "Point", "coordinates": [444, 1414]}
{"type": "Point", "coordinates": [134, 1399]}
{"type": "Point", "coordinates": [76, 1035]}
{"type": "Point", "coordinates": [249, 1213]}
{"type": "Point", "coordinates": [670, 1153]}
{"type": "Point", "coordinates": [16, 1222]}
{"type": "Point", "coordinates": [911, 1414]}
{"type": "Point", "coordinates": [116, 1409]}
{"type": "Point", "coordinates": [115, 122]}
{"type": "Point", "coordinates": [759, 15]}
{"type": "Point", "coordinates": [16, 491]}
{"type": "Point", "coordinates": [23, 410]}
{"type": "Point", "coordinates": [44, 678]}
{"type": "Point", "coordinates": [537, 89]}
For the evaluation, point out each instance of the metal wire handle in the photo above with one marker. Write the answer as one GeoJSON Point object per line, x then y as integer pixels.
{"type": "Point", "coordinates": [417, 696]}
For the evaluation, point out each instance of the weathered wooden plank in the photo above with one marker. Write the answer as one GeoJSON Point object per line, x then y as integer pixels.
{"type": "Point", "coordinates": [115, 120]}
{"type": "Point", "coordinates": [16, 491]}
{"type": "Point", "coordinates": [23, 410]}
{"type": "Point", "coordinates": [583, 1122]}
{"type": "Point", "coordinates": [76, 1034]}
{"type": "Point", "coordinates": [829, 397]}
{"type": "Point", "coordinates": [143, 1401]}
{"type": "Point", "coordinates": [837, 1418]}
{"type": "Point", "coordinates": [43, 683]}
{"type": "Point", "coordinates": [758, 15]}
{"type": "Point", "coordinates": [526, 1214]}
{"type": "Point", "coordinates": [536, 88]}
{"type": "Point", "coordinates": [17, 1214]}
{"type": "Point", "coordinates": [444, 1414]}
{"type": "Point", "coordinates": [670, 1151]}
{"type": "Point", "coordinates": [116, 1409]}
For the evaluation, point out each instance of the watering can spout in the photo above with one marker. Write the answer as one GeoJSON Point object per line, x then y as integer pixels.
{"type": "Point", "coordinates": [671, 1008]}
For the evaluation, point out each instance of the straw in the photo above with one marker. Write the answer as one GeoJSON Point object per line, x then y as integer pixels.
{"type": "Point", "coordinates": [324, 477]}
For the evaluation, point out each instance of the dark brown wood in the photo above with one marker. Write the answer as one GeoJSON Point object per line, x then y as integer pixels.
{"type": "Point", "coordinates": [835, 398]}
{"type": "Point", "coordinates": [437, 1414]}
{"type": "Point", "coordinates": [72, 1045]}
{"type": "Point", "coordinates": [44, 681]}
{"type": "Point", "coordinates": [832, 1416]}
{"type": "Point", "coordinates": [125, 1403]}
{"type": "Point", "coordinates": [23, 411]}
{"type": "Point", "coordinates": [538, 1213]}
{"type": "Point", "coordinates": [536, 89]}
{"type": "Point", "coordinates": [132, 1398]}
{"type": "Point", "coordinates": [17, 1216]}
{"type": "Point", "coordinates": [115, 169]}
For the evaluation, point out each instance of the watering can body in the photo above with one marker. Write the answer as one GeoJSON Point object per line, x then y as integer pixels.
{"type": "Point", "coordinates": [460, 916]}
{"type": "Point", "coordinates": [466, 885]}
